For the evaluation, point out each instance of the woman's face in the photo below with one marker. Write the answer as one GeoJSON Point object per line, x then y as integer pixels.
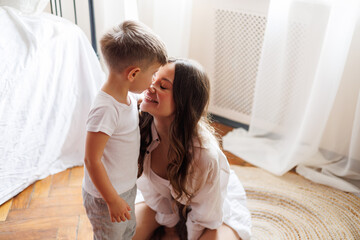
{"type": "Point", "coordinates": [158, 99]}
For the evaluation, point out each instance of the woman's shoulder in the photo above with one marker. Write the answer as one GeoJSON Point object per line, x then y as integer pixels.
{"type": "Point", "coordinates": [207, 153]}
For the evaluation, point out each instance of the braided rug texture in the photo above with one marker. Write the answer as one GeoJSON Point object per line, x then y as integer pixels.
{"type": "Point", "coordinates": [292, 207]}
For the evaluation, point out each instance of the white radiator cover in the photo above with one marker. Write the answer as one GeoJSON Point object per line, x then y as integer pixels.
{"type": "Point", "coordinates": [238, 40]}
{"type": "Point", "coordinates": [226, 38]}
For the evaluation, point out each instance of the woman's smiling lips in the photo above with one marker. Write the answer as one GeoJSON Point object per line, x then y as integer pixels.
{"type": "Point", "coordinates": [149, 99]}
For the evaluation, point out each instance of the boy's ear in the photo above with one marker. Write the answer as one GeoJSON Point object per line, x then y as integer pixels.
{"type": "Point", "coordinates": [132, 73]}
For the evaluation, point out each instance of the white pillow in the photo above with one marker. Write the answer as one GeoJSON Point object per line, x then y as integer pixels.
{"type": "Point", "coordinates": [26, 6]}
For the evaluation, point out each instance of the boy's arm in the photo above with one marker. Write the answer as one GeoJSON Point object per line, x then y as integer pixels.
{"type": "Point", "coordinates": [95, 144]}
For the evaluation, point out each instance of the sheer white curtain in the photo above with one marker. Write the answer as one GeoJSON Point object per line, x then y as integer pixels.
{"type": "Point", "coordinates": [171, 20]}
{"type": "Point", "coordinates": [306, 110]}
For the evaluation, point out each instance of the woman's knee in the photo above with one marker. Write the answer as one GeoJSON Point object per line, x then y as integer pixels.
{"type": "Point", "coordinates": [145, 221]}
{"type": "Point", "coordinates": [222, 232]}
{"type": "Point", "coordinates": [144, 213]}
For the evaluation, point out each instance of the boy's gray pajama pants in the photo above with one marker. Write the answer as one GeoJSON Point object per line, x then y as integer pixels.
{"type": "Point", "coordinates": [98, 214]}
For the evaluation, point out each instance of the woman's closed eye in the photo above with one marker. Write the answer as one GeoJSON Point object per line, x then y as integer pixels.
{"type": "Point", "coordinates": [165, 85]}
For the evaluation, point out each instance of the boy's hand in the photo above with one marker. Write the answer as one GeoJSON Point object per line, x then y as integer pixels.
{"type": "Point", "coordinates": [119, 210]}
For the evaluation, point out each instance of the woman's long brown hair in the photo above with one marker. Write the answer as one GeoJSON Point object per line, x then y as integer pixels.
{"type": "Point", "coordinates": [191, 89]}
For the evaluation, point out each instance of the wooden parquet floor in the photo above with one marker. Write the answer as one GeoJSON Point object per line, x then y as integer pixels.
{"type": "Point", "coordinates": [52, 208]}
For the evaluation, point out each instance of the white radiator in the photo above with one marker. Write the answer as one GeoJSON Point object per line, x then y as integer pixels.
{"type": "Point", "coordinates": [238, 39]}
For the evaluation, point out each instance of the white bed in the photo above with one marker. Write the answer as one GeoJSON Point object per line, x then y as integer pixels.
{"type": "Point", "coordinates": [49, 75]}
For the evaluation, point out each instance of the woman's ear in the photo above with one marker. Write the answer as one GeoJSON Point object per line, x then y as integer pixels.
{"type": "Point", "coordinates": [132, 73]}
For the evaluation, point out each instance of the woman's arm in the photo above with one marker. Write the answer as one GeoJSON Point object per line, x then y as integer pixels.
{"type": "Point", "coordinates": [207, 204]}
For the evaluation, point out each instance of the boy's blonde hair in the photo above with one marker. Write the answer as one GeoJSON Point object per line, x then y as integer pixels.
{"type": "Point", "coordinates": [132, 43]}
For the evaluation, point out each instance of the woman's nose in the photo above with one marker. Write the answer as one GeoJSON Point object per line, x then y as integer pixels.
{"type": "Point", "coordinates": [155, 80]}
{"type": "Point", "coordinates": [152, 88]}
{"type": "Point", "coordinates": [154, 85]}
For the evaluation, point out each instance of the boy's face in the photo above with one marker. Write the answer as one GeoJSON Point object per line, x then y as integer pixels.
{"type": "Point", "coordinates": [144, 78]}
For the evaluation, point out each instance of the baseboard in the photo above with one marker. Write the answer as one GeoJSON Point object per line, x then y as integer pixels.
{"type": "Point", "coordinates": [228, 122]}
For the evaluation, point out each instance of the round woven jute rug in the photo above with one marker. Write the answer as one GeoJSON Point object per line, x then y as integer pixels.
{"type": "Point", "coordinates": [292, 207]}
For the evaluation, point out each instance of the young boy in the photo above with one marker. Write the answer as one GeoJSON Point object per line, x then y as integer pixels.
{"type": "Point", "coordinates": [133, 54]}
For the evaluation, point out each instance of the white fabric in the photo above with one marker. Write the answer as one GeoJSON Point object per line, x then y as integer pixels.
{"type": "Point", "coordinates": [49, 75]}
{"type": "Point", "coordinates": [218, 194]}
{"type": "Point", "coordinates": [306, 112]}
{"type": "Point", "coordinates": [121, 153]}
{"type": "Point", "coordinates": [26, 6]}
{"type": "Point", "coordinates": [171, 20]}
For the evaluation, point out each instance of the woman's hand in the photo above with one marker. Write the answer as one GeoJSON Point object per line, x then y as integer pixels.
{"type": "Point", "coordinates": [119, 210]}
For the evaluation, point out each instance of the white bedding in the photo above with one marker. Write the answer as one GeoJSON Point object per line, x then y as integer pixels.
{"type": "Point", "coordinates": [49, 75]}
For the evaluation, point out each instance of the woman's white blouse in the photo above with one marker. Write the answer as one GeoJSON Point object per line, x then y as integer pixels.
{"type": "Point", "coordinates": [210, 185]}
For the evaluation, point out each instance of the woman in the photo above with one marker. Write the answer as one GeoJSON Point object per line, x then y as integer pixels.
{"type": "Point", "coordinates": [185, 177]}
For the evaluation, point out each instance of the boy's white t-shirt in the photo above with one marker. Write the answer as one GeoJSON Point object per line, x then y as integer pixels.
{"type": "Point", "coordinates": [120, 157]}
